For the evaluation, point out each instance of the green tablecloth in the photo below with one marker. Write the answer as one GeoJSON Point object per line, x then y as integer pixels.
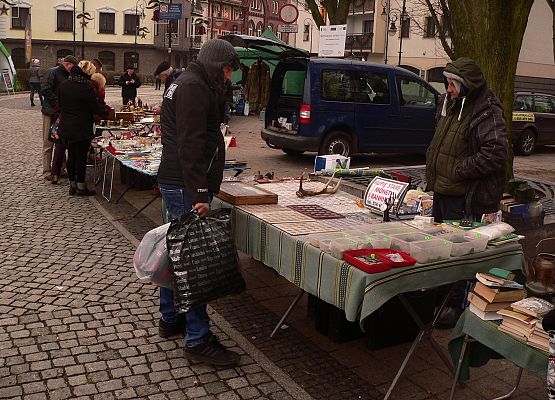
{"type": "Point", "coordinates": [492, 343]}
{"type": "Point", "coordinates": [356, 292]}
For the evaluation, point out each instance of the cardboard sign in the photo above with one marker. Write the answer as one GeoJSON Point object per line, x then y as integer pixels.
{"type": "Point", "coordinates": [381, 189]}
{"type": "Point", "coordinates": [332, 41]}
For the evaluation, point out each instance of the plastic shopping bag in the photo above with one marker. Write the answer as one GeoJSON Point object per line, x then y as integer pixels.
{"type": "Point", "coordinates": [204, 259]}
{"type": "Point", "coordinates": [151, 260]}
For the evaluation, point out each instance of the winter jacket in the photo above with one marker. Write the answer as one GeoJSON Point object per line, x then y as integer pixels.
{"type": "Point", "coordinates": [99, 85]}
{"type": "Point", "coordinates": [54, 77]}
{"type": "Point", "coordinates": [129, 91]}
{"type": "Point", "coordinates": [171, 78]}
{"type": "Point", "coordinates": [78, 104]}
{"type": "Point", "coordinates": [476, 118]}
{"type": "Point", "coordinates": [34, 74]}
{"type": "Point", "coordinates": [193, 155]}
{"type": "Point", "coordinates": [257, 90]}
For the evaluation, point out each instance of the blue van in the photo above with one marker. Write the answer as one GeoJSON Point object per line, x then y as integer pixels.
{"type": "Point", "coordinates": [336, 106]}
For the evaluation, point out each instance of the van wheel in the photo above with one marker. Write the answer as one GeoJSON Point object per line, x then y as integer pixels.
{"type": "Point", "coordinates": [526, 144]}
{"type": "Point", "coordinates": [337, 143]}
{"type": "Point", "coordinates": [293, 153]}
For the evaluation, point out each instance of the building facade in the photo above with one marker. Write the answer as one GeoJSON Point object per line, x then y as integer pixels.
{"type": "Point", "coordinates": [117, 32]}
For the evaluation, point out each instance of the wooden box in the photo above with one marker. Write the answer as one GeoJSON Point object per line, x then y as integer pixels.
{"type": "Point", "coordinates": [238, 193]}
{"type": "Point", "coordinates": [128, 116]}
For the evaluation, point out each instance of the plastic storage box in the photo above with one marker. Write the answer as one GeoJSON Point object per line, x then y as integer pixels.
{"type": "Point", "coordinates": [338, 246]}
{"type": "Point", "coordinates": [427, 251]}
{"type": "Point", "coordinates": [463, 244]}
{"type": "Point", "coordinates": [402, 241]}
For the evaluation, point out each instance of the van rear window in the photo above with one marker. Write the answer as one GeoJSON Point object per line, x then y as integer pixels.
{"type": "Point", "coordinates": [293, 83]}
{"type": "Point", "coordinates": [337, 85]}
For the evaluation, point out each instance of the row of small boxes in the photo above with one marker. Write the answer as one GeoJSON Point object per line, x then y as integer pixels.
{"type": "Point", "coordinates": [426, 244]}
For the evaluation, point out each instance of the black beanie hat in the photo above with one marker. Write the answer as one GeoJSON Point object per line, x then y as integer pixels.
{"type": "Point", "coordinates": [163, 66]}
{"type": "Point", "coordinates": [217, 53]}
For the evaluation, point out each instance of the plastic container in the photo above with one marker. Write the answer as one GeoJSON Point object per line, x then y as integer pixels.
{"type": "Point", "coordinates": [463, 244]}
{"type": "Point", "coordinates": [397, 258]}
{"type": "Point", "coordinates": [379, 241]}
{"type": "Point", "coordinates": [402, 241]}
{"type": "Point", "coordinates": [432, 250]}
{"type": "Point", "coordinates": [338, 246]}
{"type": "Point", "coordinates": [315, 238]}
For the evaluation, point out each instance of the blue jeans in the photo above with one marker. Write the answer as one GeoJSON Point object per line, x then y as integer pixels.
{"type": "Point", "coordinates": [176, 203]}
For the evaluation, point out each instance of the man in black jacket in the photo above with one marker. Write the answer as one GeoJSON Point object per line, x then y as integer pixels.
{"type": "Point", "coordinates": [129, 83]}
{"type": "Point", "coordinates": [191, 170]}
{"type": "Point", "coordinates": [167, 74]}
{"type": "Point", "coordinates": [51, 107]}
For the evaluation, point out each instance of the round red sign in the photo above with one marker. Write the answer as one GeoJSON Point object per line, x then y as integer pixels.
{"type": "Point", "coordinates": [288, 13]}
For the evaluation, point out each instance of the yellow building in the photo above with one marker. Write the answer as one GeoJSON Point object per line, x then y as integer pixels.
{"type": "Point", "coordinates": [117, 32]}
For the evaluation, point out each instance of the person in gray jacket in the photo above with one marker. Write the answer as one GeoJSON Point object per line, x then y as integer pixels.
{"type": "Point", "coordinates": [34, 81]}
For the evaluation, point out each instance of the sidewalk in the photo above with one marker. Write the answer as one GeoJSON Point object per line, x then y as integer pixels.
{"type": "Point", "coordinates": [76, 323]}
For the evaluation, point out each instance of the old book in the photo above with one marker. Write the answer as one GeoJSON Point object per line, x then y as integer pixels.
{"type": "Point", "coordinates": [498, 295]}
{"type": "Point", "coordinates": [527, 319]}
{"type": "Point", "coordinates": [484, 305]}
{"type": "Point", "coordinates": [238, 193]}
{"type": "Point", "coordinates": [504, 328]}
{"type": "Point", "coordinates": [487, 316]}
{"type": "Point", "coordinates": [497, 282]}
{"type": "Point", "coordinates": [533, 306]}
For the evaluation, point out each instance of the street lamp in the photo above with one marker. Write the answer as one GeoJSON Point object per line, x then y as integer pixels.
{"type": "Point", "coordinates": [84, 18]}
{"type": "Point", "coordinates": [391, 17]}
{"type": "Point", "coordinates": [138, 28]}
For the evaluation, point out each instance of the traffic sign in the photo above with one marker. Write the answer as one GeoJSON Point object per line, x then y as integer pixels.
{"type": "Point", "coordinates": [171, 11]}
{"type": "Point", "coordinates": [288, 28]}
{"type": "Point", "coordinates": [288, 13]}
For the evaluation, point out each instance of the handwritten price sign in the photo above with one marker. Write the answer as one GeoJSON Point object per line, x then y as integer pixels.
{"type": "Point", "coordinates": [380, 190]}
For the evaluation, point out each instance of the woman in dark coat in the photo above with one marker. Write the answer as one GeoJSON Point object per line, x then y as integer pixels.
{"type": "Point", "coordinates": [78, 104]}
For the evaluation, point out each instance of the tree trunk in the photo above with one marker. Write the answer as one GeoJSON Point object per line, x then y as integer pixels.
{"type": "Point", "coordinates": [337, 11]}
{"type": "Point", "coordinates": [491, 33]}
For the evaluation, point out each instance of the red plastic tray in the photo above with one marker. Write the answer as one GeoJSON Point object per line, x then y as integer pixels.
{"type": "Point", "coordinates": [352, 257]}
{"type": "Point", "coordinates": [408, 259]}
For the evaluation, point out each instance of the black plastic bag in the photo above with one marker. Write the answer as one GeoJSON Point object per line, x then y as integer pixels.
{"type": "Point", "coordinates": [204, 259]}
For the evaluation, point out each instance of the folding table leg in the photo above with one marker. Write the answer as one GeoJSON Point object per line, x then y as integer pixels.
{"type": "Point", "coordinates": [146, 205]}
{"type": "Point", "coordinates": [459, 365]}
{"type": "Point", "coordinates": [108, 196]}
{"type": "Point", "coordinates": [506, 396]}
{"type": "Point", "coordinates": [291, 306]}
{"type": "Point", "coordinates": [425, 331]}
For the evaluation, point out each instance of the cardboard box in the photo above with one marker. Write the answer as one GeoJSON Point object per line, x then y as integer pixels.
{"type": "Point", "coordinates": [331, 162]}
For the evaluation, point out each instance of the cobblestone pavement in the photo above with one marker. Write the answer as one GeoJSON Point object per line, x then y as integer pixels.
{"type": "Point", "coordinates": [75, 321]}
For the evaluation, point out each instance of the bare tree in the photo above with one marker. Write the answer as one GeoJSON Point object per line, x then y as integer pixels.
{"type": "Point", "coordinates": [337, 10]}
{"type": "Point", "coordinates": [490, 32]}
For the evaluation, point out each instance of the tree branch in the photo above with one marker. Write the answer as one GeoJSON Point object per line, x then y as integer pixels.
{"type": "Point", "coordinates": [315, 11]}
{"type": "Point", "coordinates": [448, 49]}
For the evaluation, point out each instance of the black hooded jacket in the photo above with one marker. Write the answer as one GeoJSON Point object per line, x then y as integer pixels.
{"type": "Point", "coordinates": [193, 155]}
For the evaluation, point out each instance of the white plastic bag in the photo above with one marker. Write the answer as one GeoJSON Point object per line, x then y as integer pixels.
{"type": "Point", "coordinates": [247, 109]}
{"type": "Point", "coordinates": [151, 261]}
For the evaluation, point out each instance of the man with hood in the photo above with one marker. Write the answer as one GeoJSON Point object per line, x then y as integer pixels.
{"type": "Point", "coordinates": [191, 170]}
{"type": "Point", "coordinates": [465, 163]}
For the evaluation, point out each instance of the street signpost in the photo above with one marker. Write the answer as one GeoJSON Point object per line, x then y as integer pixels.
{"type": "Point", "coordinates": [288, 13]}
{"type": "Point", "coordinates": [332, 41]}
{"type": "Point", "coordinates": [171, 11]}
{"type": "Point", "coordinates": [288, 28]}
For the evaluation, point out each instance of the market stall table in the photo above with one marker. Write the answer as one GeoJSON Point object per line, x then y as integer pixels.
{"type": "Point", "coordinates": [336, 282]}
{"type": "Point", "coordinates": [468, 339]}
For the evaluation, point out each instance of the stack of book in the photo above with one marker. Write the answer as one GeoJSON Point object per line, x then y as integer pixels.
{"type": "Point", "coordinates": [493, 293]}
{"type": "Point", "coordinates": [523, 320]}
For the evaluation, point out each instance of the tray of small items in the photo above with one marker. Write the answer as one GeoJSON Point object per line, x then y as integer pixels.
{"type": "Point", "coordinates": [367, 260]}
{"type": "Point", "coordinates": [397, 258]}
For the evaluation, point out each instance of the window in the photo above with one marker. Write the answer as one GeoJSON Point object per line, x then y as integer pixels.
{"type": "Point", "coordinates": [275, 7]}
{"type": "Point", "coordinates": [130, 58]}
{"type": "Point", "coordinates": [106, 23]}
{"type": "Point", "coordinates": [336, 85]}
{"type": "Point", "coordinates": [19, 17]}
{"type": "Point", "coordinates": [414, 94]}
{"type": "Point", "coordinates": [64, 22]}
{"type": "Point", "coordinates": [372, 88]}
{"type": "Point", "coordinates": [405, 28]}
{"type": "Point", "coordinates": [368, 26]}
{"type": "Point", "coordinates": [435, 75]}
{"type": "Point", "coordinates": [251, 28]}
{"type": "Point", "coordinates": [130, 24]}
{"type": "Point", "coordinates": [543, 104]}
{"type": "Point", "coordinates": [293, 83]}
{"type": "Point", "coordinates": [523, 103]}
{"type": "Point", "coordinates": [429, 27]}
{"type": "Point", "coordinates": [18, 57]}
{"type": "Point", "coordinates": [108, 59]}
{"type": "Point", "coordinates": [259, 29]}
{"type": "Point", "coordinates": [306, 33]}
{"type": "Point", "coordinates": [173, 26]}
{"type": "Point", "coordinates": [63, 52]}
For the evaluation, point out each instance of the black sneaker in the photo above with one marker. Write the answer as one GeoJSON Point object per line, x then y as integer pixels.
{"type": "Point", "coordinates": [212, 352]}
{"type": "Point", "coordinates": [169, 329]}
